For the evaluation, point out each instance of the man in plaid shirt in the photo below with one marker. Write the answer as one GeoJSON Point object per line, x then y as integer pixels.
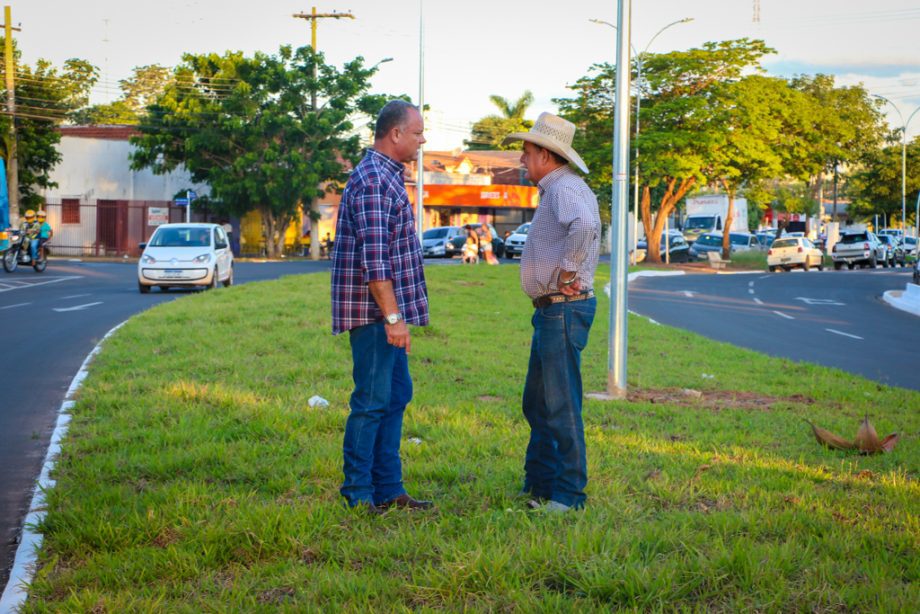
{"type": "Point", "coordinates": [378, 288]}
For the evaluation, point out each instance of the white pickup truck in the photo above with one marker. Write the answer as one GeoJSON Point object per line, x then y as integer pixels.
{"type": "Point", "coordinates": [862, 248]}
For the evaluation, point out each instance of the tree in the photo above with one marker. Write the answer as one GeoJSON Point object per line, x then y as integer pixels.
{"type": "Point", "coordinates": [139, 91]}
{"type": "Point", "coordinates": [245, 126]}
{"type": "Point", "coordinates": [45, 96]}
{"type": "Point", "coordinates": [876, 186]}
{"type": "Point", "coordinates": [491, 130]}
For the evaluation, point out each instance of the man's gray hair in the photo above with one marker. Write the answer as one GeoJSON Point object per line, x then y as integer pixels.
{"type": "Point", "coordinates": [394, 113]}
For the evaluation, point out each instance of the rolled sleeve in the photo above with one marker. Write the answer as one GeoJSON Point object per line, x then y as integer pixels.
{"type": "Point", "coordinates": [578, 221]}
{"type": "Point", "coordinates": [373, 221]}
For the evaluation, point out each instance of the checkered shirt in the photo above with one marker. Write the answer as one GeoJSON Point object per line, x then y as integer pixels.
{"type": "Point", "coordinates": [375, 240]}
{"type": "Point", "coordinates": [564, 234]}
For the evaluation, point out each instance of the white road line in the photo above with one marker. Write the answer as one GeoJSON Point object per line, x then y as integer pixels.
{"type": "Point", "coordinates": [750, 290]}
{"type": "Point", "coordinates": [765, 277]}
{"type": "Point", "coordinates": [837, 332]}
{"type": "Point", "coordinates": [64, 298]}
{"type": "Point", "coordinates": [646, 317]}
{"type": "Point", "coordinates": [758, 301]}
{"type": "Point", "coordinates": [750, 284]}
{"type": "Point", "coordinates": [16, 305]}
{"type": "Point", "coordinates": [688, 293]}
{"type": "Point", "coordinates": [77, 307]}
{"type": "Point", "coordinates": [784, 315]}
{"type": "Point", "coordinates": [20, 285]}
{"type": "Point", "coordinates": [17, 586]}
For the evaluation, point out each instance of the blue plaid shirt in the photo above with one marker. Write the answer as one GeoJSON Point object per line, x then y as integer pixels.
{"type": "Point", "coordinates": [375, 240]}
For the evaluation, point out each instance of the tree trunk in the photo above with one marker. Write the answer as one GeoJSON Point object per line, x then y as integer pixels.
{"type": "Point", "coordinates": [309, 210]}
{"type": "Point", "coordinates": [273, 230]}
{"type": "Point", "coordinates": [653, 230]}
{"type": "Point", "coordinates": [727, 226]}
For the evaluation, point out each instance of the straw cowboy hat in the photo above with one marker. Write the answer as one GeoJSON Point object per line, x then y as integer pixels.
{"type": "Point", "coordinates": [552, 133]}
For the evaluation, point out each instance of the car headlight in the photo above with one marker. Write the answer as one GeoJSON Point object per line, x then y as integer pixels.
{"type": "Point", "coordinates": [203, 258]}
{"type": "Point", "coordinates": [145, 259]}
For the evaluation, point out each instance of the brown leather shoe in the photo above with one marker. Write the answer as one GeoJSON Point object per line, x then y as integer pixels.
{"type": "Point", "coordinates": [405, 501]}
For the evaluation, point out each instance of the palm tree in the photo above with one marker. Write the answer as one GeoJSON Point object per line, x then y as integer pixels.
{"type": "Point", "coordinates": [515, 111]}
{"type": "Point", "coordinates": [490, 131]}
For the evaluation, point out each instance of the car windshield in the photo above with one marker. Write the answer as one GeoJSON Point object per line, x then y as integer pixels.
{"type": "Point", "coordinates": [522, 229]}
{"type": "Point", "coordinates": [855, 238]}
{"type": "Point", "coordinates": [697, 223]}
{"type": "Point", "coordinates": [181, 237]}
{"type": "Point", "coordinates": [709, 240]}
{"type": "Point", "coordinates": [435, 233]}
{"type": "Point", "coordinates": [785, 243]}
{"type": "Point", "coordinates": [739, 239]}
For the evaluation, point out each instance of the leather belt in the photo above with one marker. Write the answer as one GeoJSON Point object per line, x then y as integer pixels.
{"type": "Point", "coordinates": [552, 299]}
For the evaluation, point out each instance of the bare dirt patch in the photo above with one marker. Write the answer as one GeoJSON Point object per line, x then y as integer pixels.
{"type": "Point", "coordinates": [715, 400]}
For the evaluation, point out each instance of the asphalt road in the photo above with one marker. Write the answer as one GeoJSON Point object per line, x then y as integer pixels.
{"type": "Point", "coordinates": [832, 318]}
{"type": "Point", "coordinates": [50, 322]}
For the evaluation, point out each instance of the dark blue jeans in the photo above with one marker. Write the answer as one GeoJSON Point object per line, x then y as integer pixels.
{"type": "Point", "coordinates": [556, 463]}
{"type": "Point", "coordinates": [383, 388]}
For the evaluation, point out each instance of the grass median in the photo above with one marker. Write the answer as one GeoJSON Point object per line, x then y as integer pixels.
{"type": "Point", "coordinates": [195, 477]}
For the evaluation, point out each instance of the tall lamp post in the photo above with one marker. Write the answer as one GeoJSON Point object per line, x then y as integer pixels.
{"type": "Point", "coordinates": [639, 56]}
{"type": "Point", "coordinates": [904, 125]}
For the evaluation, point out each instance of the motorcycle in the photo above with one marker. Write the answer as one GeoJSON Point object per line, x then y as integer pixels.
{"type": "Point", "coordinates": [14, 255]}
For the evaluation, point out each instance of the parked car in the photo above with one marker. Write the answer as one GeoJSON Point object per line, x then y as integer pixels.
{"type": "Point", "coordinates": [789, 252]}
{"type": "Point", "coordinates": [766, 238]}
{"type": "Point", "coordinates": [910, 248]}
{"type": "Point", "coordinates": [514, 244]}
{"type": "Point", "coordinates": [712, 242]}
{"type": "Point", "coordinates": [678, 248]}
{"type": "Point", "coordinates": [185, 255]}
{"type": "Point", "coordinates": [862, 248]}
{"type": "Point", "coordinates": [498, 245]}
{"type": "Point", "coordinates": [435, 241]}
{"type": "Point", "coordinates": [896, 254]}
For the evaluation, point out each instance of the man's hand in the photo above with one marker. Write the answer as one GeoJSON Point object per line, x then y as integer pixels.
{"type": "Point", "coordinates": [398, 335]}
{"type": "Point", "coordinates": [566, 288]}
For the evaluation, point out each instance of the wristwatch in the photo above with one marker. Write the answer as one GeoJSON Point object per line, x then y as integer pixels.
{"type": "Point", "coordinates": [393, 318]}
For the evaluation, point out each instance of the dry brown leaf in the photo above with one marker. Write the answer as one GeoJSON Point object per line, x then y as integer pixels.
{"type": "Point", "coordinates": [889, 442]}
{"type": "Point", "coordinates": [826, 438]}
{"type": "Point", "coordinates": [867, 438]}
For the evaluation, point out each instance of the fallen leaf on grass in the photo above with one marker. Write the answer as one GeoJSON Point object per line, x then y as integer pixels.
{"type": "Point", "coordinates": [867, 440]}
{"type": "Point", "coordinates": [654, 474]}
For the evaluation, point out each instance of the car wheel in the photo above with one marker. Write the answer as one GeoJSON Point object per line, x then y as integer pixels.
{"type": "Point", "coordinates": [142, 288]}
{"type": "Point", "coordinates": [821, 264]}
{"type": "Point", "coordinates": [805, 265]}
{"type": "Point", "coordinates": [213, 283]}
{"type": "Point", "coordinates": [851, 265]}
{"type": "Point", "coordinates": [229, 281]}
{"type": "Point", "coordinates": [874, 262]}
{"type": "Point", "coordinates": [837, 266]}
{"type": "Point", "coordinates": [772, 269]}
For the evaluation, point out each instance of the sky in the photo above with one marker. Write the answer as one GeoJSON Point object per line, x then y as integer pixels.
{"type": "Point", "coordinates": [477, 48]}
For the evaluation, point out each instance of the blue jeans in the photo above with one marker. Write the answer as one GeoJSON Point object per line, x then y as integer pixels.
{"type": "Point", "coordinates": [34, 244]}
{"type": "Point", "coordinates": [555, 466]}
{"type": "Point", "coordinates": [383, 388]}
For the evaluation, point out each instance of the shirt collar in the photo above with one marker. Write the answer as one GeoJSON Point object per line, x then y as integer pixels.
{"type": "Point", "coordinates": [552, 177]}
{"type": "Point", "coordinates": [386, 161]}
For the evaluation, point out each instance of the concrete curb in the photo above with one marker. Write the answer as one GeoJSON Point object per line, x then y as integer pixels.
{"type": "Point", "coordinates": [17, 587]}
{"type": "Point", "coordinates": [906, 300]}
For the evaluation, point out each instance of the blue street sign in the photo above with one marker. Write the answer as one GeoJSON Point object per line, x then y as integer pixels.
{"type": "Point", "coordinates": [191, 194]}
{"type": "Point", "coordinates": [182, 202]}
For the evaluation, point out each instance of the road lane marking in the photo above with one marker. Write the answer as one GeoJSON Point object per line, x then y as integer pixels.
{"type": "Point", "coordinates": [750, 290]}
{"type": "Point", "coordinates": [16, 305]}
{"type": "Point", "coordinates": [646, 317]}
{"type": "Point", "coordinates": [77, 307]}
{"type": "Point", "coordinates": [750, 284]}
{"type": "Point", "coordinates": [64, 298]}
{"type": "Point", "coordinates": [785, 315]}
{"type": "Point", "coordinates": [758, 301]}
{"type": "Point", "coordinates": [19, 285]}
{"type": "Point", "coordinates": [688, 293]}
{"type": "Point", "coordinates": [837, 332]}
{"type": "Point", "coordinates": [765, 277]}
{"type": "Point", "coordinates": [819, 301]}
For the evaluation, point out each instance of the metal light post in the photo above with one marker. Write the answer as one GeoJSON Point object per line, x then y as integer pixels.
{"type": "Point", "coordinates": [639, 56]}
{"type": "Point", "coordinates": [420, 181]}
{"type": "Point", "coordinates": [904, 125]}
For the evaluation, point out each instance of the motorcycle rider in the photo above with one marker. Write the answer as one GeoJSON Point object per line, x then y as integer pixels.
{"type": "Point", "coordinates": [45, 232]}
{"type": "Point", "coordinates": [29, 230]}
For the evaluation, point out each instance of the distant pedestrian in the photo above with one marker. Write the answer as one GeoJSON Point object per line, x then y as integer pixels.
{"type": "Point", "coordinates": [378, 288]}
{"type": "Point", "coordinates": [471, 247]}
{"type": "Point", "coordinates": [485, 244]}
{"type": "Point", "coordinates": [557, 273]}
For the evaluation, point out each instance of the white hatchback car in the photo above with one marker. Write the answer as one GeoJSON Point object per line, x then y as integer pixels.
{"type": "Point", "coordinates": [787, 252]}
{"type": "Point", "coordinates": [185, 255]}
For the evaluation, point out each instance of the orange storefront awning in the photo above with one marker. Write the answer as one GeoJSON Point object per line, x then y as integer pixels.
{"type": "Point", "coordinates": [449, 195]}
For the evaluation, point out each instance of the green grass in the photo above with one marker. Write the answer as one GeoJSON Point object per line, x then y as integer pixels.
{"type": "Point", "coordinates": [195, 478]}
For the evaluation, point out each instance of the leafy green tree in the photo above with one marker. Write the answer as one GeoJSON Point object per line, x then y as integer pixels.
{"type": "Point", "coordinates": [139, 91]}
{"type": "Point", "coordinates": [490, 131]}
{"type": "Point", "coordinates": [44, 95]}
{"type": "Point", "coordinates": [876, 186]}
{"type": "Point", "coordinates": [246, 127]}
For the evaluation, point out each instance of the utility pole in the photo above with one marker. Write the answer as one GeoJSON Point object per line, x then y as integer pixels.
{"type": "Point", "coordinates": [313, 16]}
{"type": "Point", "coordinates": [420, 181]}
{"type": "Point", "coordinates": [12, 162]}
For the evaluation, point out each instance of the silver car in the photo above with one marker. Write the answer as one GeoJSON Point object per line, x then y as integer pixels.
{"type": "Point", "coordinates": [514, 244]}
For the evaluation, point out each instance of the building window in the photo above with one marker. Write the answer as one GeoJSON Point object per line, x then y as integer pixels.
{"type": "Point", "coordinates": [70, 211]}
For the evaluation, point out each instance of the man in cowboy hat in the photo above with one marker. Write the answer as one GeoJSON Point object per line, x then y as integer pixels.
{"type": "Point", "coordinates": [557, 273]}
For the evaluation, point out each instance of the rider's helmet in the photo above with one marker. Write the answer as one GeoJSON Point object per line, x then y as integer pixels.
{"type": "Point", "coordinates": [41, 214]}
{"type": "Point", "coordinates": [30, 214]}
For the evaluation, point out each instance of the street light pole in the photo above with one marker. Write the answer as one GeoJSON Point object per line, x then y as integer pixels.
{"type": "Point", "coordinates": [904, 125]}
{"type": "Point", "coordinates": [639, 56]}
{"type": "Point", "coordinates": [420, 181]}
